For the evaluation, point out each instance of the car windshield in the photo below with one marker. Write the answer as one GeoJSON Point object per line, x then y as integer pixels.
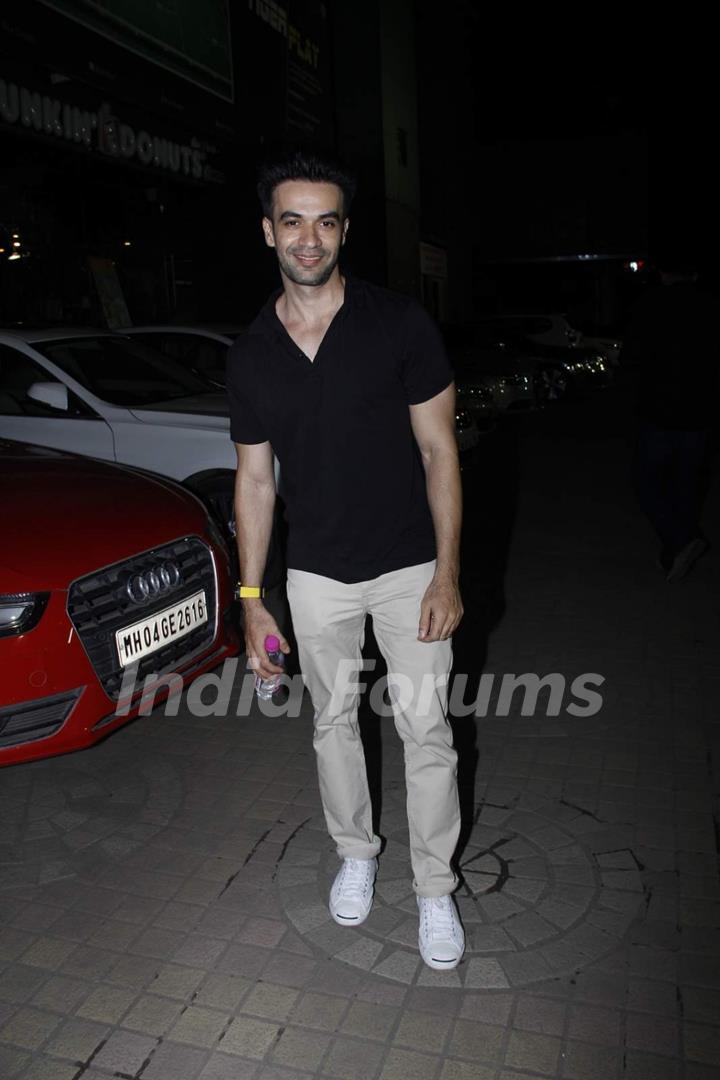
{"type": "Point", "coordinates": [122, 371]}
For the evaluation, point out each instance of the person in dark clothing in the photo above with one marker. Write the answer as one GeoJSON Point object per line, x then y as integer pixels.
{"type": "Point", "coordinates": [350, 386]}
{"type": "Point", "coordinates": [674, 345]}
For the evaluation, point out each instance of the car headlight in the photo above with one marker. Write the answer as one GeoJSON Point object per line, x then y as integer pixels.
{"type": "Point", "coordinates": [20, 612]}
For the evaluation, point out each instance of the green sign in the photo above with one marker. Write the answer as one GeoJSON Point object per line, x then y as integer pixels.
{"type": "Point", "coordinates": [190, 39]}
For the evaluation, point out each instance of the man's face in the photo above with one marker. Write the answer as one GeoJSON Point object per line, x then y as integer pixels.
{"type": "Point", "coordinates": [307, 230]}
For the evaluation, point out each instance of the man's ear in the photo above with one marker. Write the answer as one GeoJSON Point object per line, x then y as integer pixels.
{"type": "Point", "coordinates": [346, 226]}
{"type": "Point", "coordinates": [267, 227]}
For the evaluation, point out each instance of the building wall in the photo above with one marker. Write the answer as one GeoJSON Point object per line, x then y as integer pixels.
{"type": "Point", "coordinates": [451, 174]}
{"type": "Point", "coordinates": [400, 145]}
{"type": "Point", "coordinates": [357, 92]}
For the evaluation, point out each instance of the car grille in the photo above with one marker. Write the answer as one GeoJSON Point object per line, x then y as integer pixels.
{"type": "Point", "coordinates": [99, 604]}
{"type": "Point", "coordinates": [31, 720]}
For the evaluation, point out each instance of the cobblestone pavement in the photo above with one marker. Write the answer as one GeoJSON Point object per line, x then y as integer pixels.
{"type": "Point", "coordinates": [163, 895]}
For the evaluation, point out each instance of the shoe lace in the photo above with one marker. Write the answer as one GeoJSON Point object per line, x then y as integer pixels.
{"type": "Point", "coordinates": [439, 919]}
{"type": "Point", "coordinates": [354, 881]}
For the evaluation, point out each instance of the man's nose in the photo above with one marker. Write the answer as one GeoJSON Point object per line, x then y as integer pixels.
{"type": "Point", "coordinates": [311, 236]}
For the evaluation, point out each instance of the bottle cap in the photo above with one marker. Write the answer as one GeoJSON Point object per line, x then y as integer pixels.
{"type": "Point", "coordinates": [272, 643]}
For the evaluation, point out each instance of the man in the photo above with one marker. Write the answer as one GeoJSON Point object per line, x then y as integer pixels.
{"type": "Point", "coordinates": [349, 385]}
{"type": "Point", "coordinates": [674, 344]}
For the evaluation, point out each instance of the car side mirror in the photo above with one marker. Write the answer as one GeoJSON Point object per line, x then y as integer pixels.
{"type": "Point", "coordinates": [54, 394]}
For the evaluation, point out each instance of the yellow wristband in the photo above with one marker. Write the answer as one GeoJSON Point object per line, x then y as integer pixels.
{"type": "Point", "coordinates": [249, 592]}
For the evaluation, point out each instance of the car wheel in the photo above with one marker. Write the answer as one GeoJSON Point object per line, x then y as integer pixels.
{"type": "Point", "coordinates": [551, 385]}
{"type": "Point", "coordinates": [218, 494]}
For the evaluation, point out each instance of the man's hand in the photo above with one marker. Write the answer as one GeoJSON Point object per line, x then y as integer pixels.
{"type": "Point", "coordinates": [441, 611]}
{"type": "Point", "coordinates": [258, 624]}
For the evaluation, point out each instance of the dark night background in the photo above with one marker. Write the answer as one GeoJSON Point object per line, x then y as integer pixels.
{"type": "Point", "coordinates": [507, 160]}
{"type": "Point", "coordinates": [510, 161]}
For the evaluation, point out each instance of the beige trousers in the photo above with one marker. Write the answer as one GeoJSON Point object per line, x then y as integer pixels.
{"type": "Point", "coordinates": [329, 618]}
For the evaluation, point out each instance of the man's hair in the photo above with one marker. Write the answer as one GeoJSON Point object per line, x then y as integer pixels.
{"type": "Point", "coordinates": [303, 165]}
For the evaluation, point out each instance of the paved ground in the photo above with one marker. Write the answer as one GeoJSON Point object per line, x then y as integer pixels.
{"type": "Point", "coordinates": [162, 896]}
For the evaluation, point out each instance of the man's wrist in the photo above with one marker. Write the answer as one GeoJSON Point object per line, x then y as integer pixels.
{"type": "Point", "coordinates": [449, 572]}
{"type": "Point", "coordinates": [248, 592]}
{"type": "Point", "coordinates": [251, 603]}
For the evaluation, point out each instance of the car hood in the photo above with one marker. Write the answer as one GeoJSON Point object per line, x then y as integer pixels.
{"type": "Point", "coordinates": [203, 410]}
{"type": "Point", "coordinates": [65, 516]}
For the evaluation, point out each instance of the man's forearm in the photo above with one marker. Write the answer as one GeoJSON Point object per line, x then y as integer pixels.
{"type": "Point", "coordinates": [444, 492]}
{"type": "Point", "coordinates": [254, 508]}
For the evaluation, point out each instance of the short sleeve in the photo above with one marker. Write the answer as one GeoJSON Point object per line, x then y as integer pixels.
{"type": "Point", "coordinates": [245, 427]}
{"type": "Point", "coordinates": [426, 369]}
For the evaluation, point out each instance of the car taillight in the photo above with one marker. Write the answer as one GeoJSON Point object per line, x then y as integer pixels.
{"type": "Point", "coordinates": [20, 612]}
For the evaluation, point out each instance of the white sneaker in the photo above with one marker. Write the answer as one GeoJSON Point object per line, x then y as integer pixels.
{"type": "Point", "coordinates": [441, 937]}
{"type": "Point", "coordinates": [351, 896]}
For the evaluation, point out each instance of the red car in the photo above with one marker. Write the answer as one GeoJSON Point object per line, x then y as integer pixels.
{"type": "Point", "coordinates": [107, 576]}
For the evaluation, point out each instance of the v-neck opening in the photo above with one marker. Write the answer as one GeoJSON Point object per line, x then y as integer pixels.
{"type": "Point", "coordinates": [285, 333]}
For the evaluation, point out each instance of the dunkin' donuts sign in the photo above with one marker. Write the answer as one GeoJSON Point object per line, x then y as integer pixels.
{"type": "Point", "coordinates": [104, 132]}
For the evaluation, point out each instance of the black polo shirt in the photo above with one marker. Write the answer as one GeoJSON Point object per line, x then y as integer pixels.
{"type": "Point", "coordinates": [351, 475]}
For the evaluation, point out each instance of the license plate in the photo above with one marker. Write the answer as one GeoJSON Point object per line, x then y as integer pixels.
{"type": "Point", "coordinates": [146, 636]}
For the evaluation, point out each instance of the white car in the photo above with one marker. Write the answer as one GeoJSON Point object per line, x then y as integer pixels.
{"type": "Point", "coordinates": [201, 349]}
{"type": "Point", "coordinates": [555, 330]}
{"type": "Point", "coordinates": [609, 347]}
{"type": "Point", "coordinates": [491, 378]}
{"type": "Point", "coordinates": [108, 396]}
{"type": "Point", "coordinates": [495, 379]}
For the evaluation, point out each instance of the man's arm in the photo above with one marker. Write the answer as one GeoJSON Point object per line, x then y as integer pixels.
{"type": "Point", "coordinates": [254, 508]}
{"type": "Point", "coordinates": [433, 424]}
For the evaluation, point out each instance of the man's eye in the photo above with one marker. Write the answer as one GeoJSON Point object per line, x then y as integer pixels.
{"type": "Point", "coordinates": [329, 224]}
{"type": "Point", "coordinates": [290, 222]}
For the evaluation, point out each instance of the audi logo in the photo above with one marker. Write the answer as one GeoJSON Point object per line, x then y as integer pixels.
{"type": "Point", "coordinates": [152, 583]}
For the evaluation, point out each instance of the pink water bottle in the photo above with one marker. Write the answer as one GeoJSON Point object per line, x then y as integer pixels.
{"type": "Point", "coordinates": [266, 688]}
